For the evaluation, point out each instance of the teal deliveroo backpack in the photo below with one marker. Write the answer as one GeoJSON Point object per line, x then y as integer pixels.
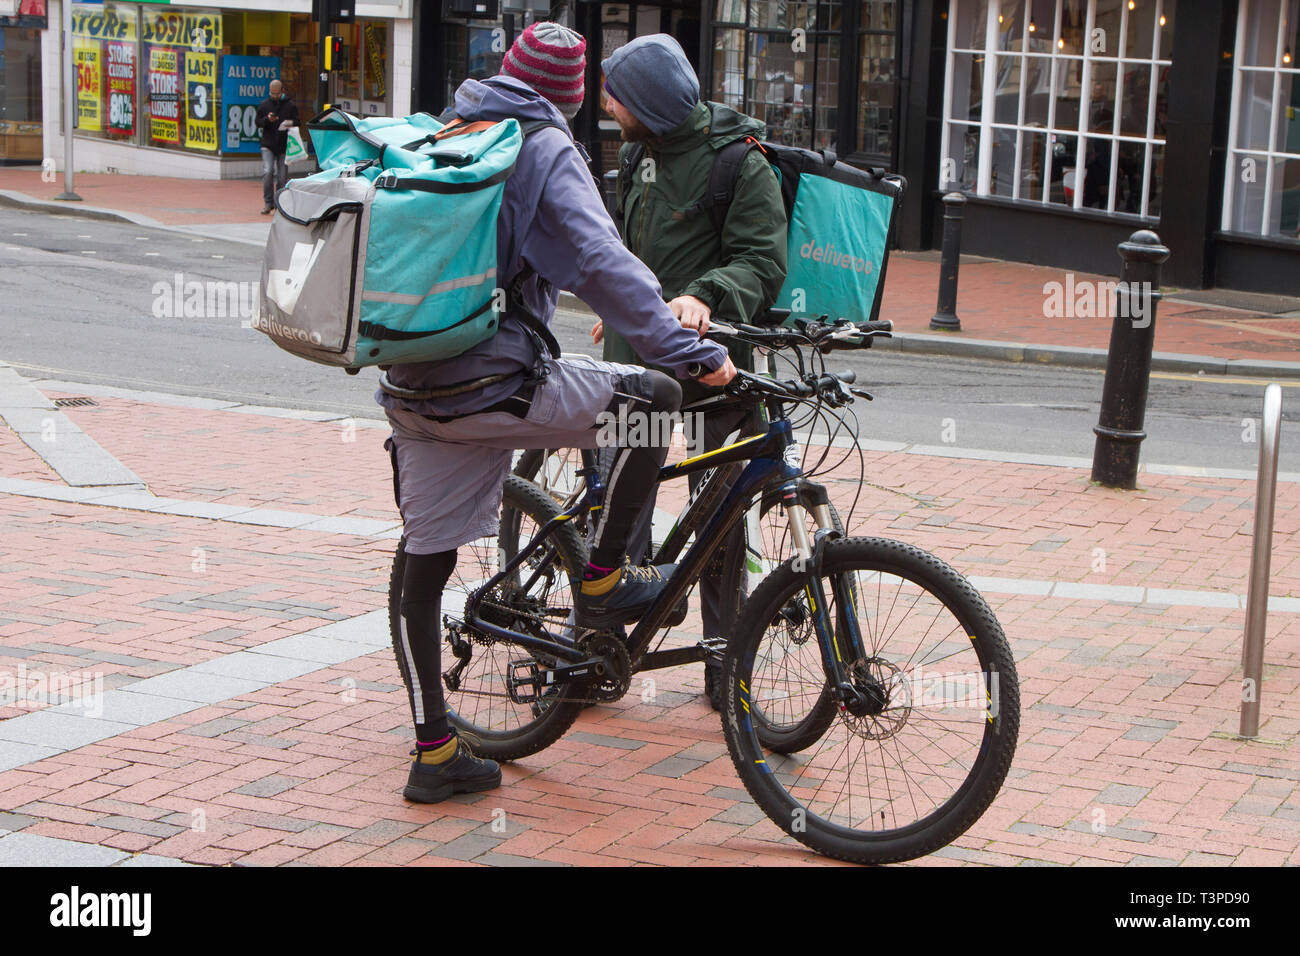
{"type": "Point", "coordinates": [841, 223]}
{"type": "Point", "coordinates": [389, 254]}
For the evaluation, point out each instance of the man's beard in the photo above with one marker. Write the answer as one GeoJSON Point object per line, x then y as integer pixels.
{"type": "Point", "coordinates": [637, 133]}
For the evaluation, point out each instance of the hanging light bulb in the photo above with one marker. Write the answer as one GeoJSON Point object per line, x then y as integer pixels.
{"type": "Point", "coordinates": [1032, 26]}
{"type": "Point", "coordinates": [1286, 55]}
{"type": "Point", "coordinates": [999, 18]}
{"type": "Point", "coordinates": [1132, 4]}
{"type": "Point", "coordinates": [1060, 43]}
{"type": "Point", "coordinates": [1163, 20]}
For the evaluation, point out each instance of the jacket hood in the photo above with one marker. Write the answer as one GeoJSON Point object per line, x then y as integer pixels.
{"type": "Point", "coordinates": [504, 97]}
{"type": "Point", "coordinates": [653, 79]}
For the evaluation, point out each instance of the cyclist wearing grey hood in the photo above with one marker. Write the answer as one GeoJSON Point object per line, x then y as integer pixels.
{"type": "Point", "coordinates": [456, 422]}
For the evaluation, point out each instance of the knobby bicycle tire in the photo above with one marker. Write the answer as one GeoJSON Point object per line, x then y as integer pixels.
{"type": "Point", "coordinates": [770, 779]}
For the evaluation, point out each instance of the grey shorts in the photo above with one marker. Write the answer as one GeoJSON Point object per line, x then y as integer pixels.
{"type": "Point", "coordinates": [449, 474]}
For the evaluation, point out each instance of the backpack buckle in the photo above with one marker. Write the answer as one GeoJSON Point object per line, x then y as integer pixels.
{"type": "Point", "coordinates": [386, 180]}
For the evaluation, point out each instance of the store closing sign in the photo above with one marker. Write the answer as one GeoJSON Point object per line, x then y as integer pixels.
{"type": "Point", "coordinates": [245, 82]}
{"type": "Point", "coordinates": [164, 96]}
{"type": "Point", "coordinates": [121, 87]}
{"type": "Point", "coordinates": [201, 101]}
{"type": "Point", "coordinates": [195, 31]}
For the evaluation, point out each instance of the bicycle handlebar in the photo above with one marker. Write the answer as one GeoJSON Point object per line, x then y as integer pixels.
{"type": "Point", "coordinates": [823, 336]}
{"type": "Point", "coordinates": [826, 387]}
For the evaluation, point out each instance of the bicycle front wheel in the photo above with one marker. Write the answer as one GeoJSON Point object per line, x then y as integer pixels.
{"type": "Point", "coordinates": [936, 718]}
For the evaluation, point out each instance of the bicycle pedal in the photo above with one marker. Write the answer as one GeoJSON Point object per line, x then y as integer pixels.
{"type": "Point", "coordinates": [714, 648]}
{"type": "Point", "coordinates": [524, 681]}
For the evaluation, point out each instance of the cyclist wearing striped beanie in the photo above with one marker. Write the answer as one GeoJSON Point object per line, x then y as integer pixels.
{"type": "Point", "coordinates": [550, 58]}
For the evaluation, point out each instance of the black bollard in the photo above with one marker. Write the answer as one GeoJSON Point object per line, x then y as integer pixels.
{"type": "Point", "coordinates": [1128, 362]}
{"type": "Point", "coordinates": [611, 194]}
{"type": "Point", "coordinates": [945, 320]}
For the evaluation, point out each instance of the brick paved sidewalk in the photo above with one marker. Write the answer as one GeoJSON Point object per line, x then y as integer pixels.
{"type": "Point", "coordinates": [252, 712]}
{"type": "Point", "coordinates": [1005, 302]}
{"type": "Point", "coordinates": [998, 301]}
{"type": "Point", "coordinates": [173, 202]}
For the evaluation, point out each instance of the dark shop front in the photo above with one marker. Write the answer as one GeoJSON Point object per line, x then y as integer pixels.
{"type": "Point", "coordinates": [1068, 124]}
{"type": "Point", "coordinates": [820, 75]}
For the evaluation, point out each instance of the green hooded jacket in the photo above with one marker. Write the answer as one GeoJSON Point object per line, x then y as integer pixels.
{"type": "Point", "coordinates": [737, 273]}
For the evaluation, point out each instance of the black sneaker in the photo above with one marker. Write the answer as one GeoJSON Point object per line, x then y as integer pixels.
{"type": "Point", "coordinates": [463, 773]}
{"type": "Point", "coordinates": [636, 589]}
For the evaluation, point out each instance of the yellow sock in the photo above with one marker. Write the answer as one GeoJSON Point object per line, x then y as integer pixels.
{"type": "Point", "coordinates": [440, 755]}
{"type": "Point", "coordinates": [602, 585]}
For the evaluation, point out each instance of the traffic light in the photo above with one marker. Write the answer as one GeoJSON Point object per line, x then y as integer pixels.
{"type": "Point", "coordinates": [333, 11]}
{"type": "Point", "coordinates": [333, 53]}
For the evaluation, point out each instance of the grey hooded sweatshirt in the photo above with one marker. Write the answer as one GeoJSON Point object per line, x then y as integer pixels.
{"type": "Point", "coordinates": [553, 219]}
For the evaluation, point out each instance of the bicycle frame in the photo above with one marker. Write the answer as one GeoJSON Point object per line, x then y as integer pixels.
{"type": "Point", "coordinates": [767, 467]}
{"type": "Point", "coordinates": [773, 462]}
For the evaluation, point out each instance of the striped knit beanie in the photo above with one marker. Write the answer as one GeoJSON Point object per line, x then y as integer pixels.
{"type": "Point", "coordinates": [549, 58]}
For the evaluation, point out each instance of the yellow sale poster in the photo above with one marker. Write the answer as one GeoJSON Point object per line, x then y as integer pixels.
{"type": "Point", "coordinates": [90, 85]}
{"type": "Point", "coordinates": [200, 100]}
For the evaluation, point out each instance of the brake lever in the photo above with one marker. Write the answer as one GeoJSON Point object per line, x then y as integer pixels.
{"type": "Point", "coordinates": [862, 393]}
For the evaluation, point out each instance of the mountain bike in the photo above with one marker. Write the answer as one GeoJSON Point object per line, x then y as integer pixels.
{"type": "Point", "coordinates": [870, 699]}
{"type": "Point", "coordinates": [755, 546]}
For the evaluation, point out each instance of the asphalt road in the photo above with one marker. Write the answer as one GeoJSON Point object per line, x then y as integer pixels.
{"type": "Point", "coordinates": [96, 302]}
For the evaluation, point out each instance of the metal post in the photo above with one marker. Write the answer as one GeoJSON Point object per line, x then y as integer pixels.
{"type": "Point", "coordinates": [611, 193]}
{"type": "Point", "coordinates": [945, 319]}
{"type": "Point", "coordinates": [323, 82]}
{"type": "Point", "coordinates": [1128, 363]}
{"type": "Point", "coordinates": [1252, 650]}
{"type": "Point", "coordinates": [69, 101]}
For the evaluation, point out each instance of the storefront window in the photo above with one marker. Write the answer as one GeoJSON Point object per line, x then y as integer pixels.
{"type": "Point", "coordinates": [1058, 101]}
{"type": "Point", "coordinates": [780, 64]}
{"type": "Point", "coordinates": [1262, 187]}
{"type": "Point", "coordinates": [877, 89]}
{"type": "Point", "coordinates": [361, 87]}
{"type": "Point", "coordinates": [20, 85]}
{"type": "Point", "coordinates": [105, 43]}
{"type": "Point", "coordinates": [147, 76]}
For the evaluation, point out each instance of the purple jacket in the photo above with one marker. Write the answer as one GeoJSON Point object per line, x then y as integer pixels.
{"type": "Point", "coordinates": [552, 218]}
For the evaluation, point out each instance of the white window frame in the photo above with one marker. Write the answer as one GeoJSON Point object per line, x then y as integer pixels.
{"type": "Point", "coordinates": [1113, 137]}
{"type": "Point", "coordinates": [1272, 154]}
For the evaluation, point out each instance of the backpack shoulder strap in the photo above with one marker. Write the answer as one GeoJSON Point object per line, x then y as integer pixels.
{"type": "Point", "coordinates": [627, 168]}
{"type": "Point", "coordinates": [723, 176]}
{"type": "Point", "coordinates": [528, 127]}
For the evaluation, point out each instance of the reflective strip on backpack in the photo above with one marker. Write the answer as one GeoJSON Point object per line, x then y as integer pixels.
{"type": "Point", "coordinates": [402, 298]}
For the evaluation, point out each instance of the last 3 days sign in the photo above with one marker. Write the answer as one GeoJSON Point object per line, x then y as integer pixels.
{"type": "Point", "coordinates": [201, 100]}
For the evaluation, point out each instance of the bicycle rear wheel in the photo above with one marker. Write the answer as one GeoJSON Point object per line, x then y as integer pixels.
{"type": "Point", "coordinates": [480, 705]}
{"type": "Point", "coordinates": [918, 765]}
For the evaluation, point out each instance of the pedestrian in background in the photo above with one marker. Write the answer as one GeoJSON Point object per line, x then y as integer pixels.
{"type": "Point", "coordinates": [275, 115]}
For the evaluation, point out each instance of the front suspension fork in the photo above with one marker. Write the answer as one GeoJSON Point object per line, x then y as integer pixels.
{"type": "Point", "coordinates": [840, 646]}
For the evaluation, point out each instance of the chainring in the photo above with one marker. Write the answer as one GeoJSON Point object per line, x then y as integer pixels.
{"type": "Point", "coordinates": [618, 673]}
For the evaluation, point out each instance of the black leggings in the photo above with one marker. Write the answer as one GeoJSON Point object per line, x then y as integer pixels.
{"type": "Point", "coordinates": [634, 470]}
{"type": "Point", "coordinates": [634, 473]}
{"type": "Point", "coordinates": [420, 640]}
